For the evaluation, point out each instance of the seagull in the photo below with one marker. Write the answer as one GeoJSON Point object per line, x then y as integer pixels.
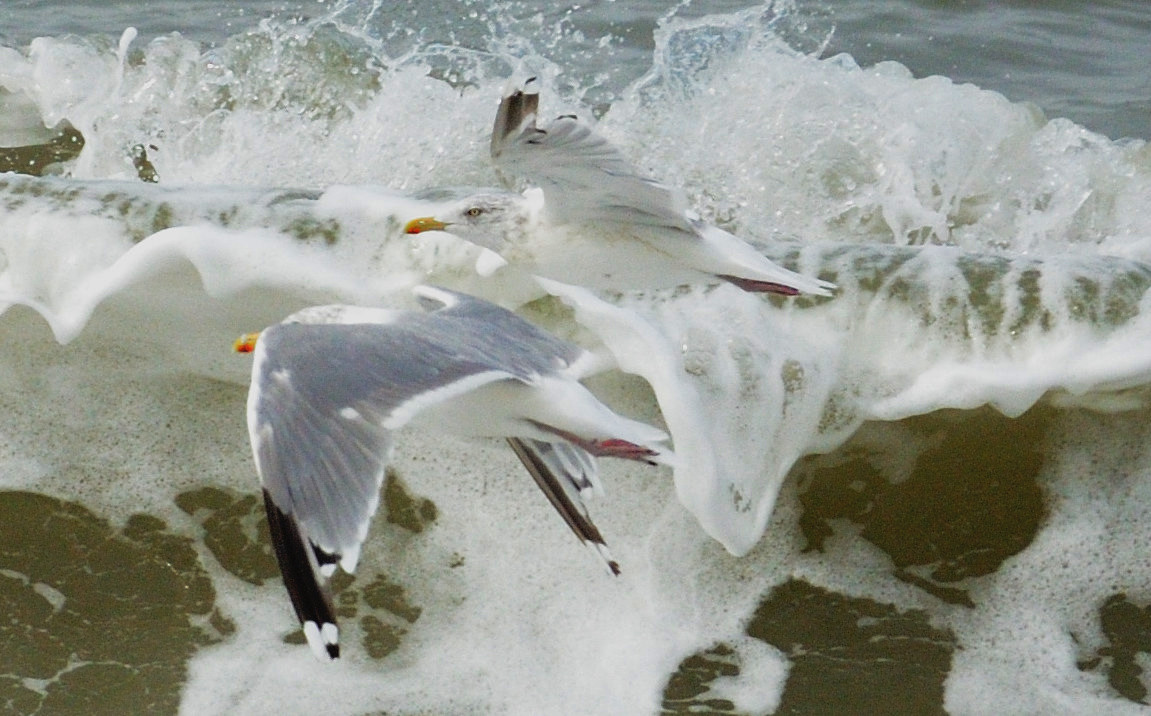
{"type": "Point", "coordinates": [330, 385]}
{"type": "Point", "coordinates": [592, 219]}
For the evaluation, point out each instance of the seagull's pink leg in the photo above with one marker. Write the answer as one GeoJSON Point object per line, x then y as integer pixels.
{"type": "Point", "coordinates": [751, 285]}
{"type": "Point", "coordinates": [611, 447]}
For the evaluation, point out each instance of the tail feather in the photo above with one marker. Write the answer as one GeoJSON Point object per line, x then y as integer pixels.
{"type": "Point", "coordinates": [734, 260]}
{"type": "Point", "coordinates": [769, 277]}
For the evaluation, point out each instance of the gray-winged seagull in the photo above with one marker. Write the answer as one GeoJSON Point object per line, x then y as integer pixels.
{"type": "Point", "coordinates": [331, 383]}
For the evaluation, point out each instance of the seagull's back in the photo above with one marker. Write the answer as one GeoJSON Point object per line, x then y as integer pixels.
{"type": "Point", "coordinates": [590, 188]}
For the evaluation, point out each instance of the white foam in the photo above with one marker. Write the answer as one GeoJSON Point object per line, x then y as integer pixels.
{"type": "Point", "coordinates": [147, 399]}
{"type": "Point", "coordinates": [1038, 614]}
{"type": "Point", "coordinates": [820, 149]}
{"type": "Point", "coordinates": [762, 674]}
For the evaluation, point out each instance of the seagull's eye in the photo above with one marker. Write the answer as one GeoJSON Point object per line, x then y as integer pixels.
{"type": "Point", "coordinates": [473, 212]}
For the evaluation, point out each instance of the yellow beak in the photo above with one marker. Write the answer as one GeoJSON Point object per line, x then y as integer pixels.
{"type": "Point", "coordinates": [246, 343]}
{"type": "Point", "coordinates": [424, 223]}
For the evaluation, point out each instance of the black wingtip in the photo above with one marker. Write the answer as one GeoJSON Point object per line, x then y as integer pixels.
{"type": "Point", "coordinates": [306, 587]}
{"type": "Point", "coordinates": [577, 520]}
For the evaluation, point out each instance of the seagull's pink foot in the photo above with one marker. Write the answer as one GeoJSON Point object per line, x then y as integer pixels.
{"type": "Point", "coordinates": [611, 447]}
{"type": "Point", "coordinates": [753, 286]}
{"type": "Point", "coordinates": [621, 449]}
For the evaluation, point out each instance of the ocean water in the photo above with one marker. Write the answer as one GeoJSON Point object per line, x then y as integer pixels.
{"type": "Point", "coordinates": [926, 494]}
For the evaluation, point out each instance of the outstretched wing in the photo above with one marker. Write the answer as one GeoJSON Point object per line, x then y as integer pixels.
{"type": "Point", "coordinates": [498, 337]}
{"type": "Point", "coordinates": [323, 402]}
{"type": "Point", "coordinates": [564, 473]}
{"type": "Point", "coordinates": [583, 176]}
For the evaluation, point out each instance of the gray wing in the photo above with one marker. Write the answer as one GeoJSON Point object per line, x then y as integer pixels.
{"type": "Point", "coordinates": [497, 337]}
{"type": "Point", "coordinates": [583, 176]}
{"type": "Point", "coordinates": [565, 472]}
{"type": "Point", "coordinates": [324, 400]}
{"type": "Point", "coordinates": [325, 397]}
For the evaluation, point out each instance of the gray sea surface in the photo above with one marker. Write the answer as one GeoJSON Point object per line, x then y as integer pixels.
{"type": "Point", "coordinates": [1086, 61]}
{"type": "Point", "coordinates": [948, 504]}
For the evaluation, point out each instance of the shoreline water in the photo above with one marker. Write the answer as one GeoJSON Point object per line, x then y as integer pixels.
{"type": "Point", "coordinates": [983, 560]}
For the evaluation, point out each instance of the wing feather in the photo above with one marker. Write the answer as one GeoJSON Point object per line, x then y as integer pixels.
{"type": "Point", "coordinates": [324, 401]}
{"type": "Point", "coordinates": [311, 598]}
{"type": "Point", "coordinates": [551, 466]}
{"type": "Point", "coordinates": [497, 336]}
{"type": "Point", "coordinates": [584, 177]}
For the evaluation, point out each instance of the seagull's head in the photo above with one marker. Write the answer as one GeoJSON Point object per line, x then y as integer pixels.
{"type": "Point", "coordinates": [487, 219]}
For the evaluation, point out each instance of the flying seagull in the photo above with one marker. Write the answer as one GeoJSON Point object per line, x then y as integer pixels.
{"type": "Point", "coordinates": [330, 384]}
{"type": "Point", "coordinates": [593, 219]}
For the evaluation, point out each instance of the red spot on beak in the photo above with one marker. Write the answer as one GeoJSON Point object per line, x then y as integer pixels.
{"type": "Point", "coordinates": [424, 223]}
{"type": "Point", "coordinates": [246, 343]}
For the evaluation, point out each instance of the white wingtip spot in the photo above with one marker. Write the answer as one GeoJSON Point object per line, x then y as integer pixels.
{"type": "Point", "coordinates": [323, 641]}
{"type": "Point", "coordinates": [601, 551]}
{"type": "Point", "coordinates": [348, 559]}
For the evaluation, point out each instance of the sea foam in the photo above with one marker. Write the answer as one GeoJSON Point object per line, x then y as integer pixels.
{"type": "Point", "coordinates": [985, 256]}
